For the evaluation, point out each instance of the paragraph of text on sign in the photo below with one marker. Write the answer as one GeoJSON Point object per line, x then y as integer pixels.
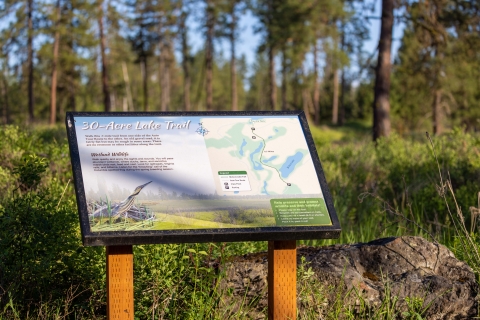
{"type": "Point", "coordinates": [107, 140]}
{"type": "Point", "coordinates": [108, 163]}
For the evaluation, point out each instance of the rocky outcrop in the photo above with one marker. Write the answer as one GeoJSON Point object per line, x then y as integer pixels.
{"type": "Point", "coordinates": [407, 274]}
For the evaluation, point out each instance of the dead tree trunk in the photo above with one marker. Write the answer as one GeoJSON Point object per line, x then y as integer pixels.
{"type": "Point", "coordinates": [381, 103]}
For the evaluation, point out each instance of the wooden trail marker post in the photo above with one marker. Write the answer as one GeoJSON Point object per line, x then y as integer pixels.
{"type": "Point", "coordinates": [282, 280]}
{"type": "Point", "coordinates": [120, 283]}
{"type": "Point", "coordinates": [262, 163]}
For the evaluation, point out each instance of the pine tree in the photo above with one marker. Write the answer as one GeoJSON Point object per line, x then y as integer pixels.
{"type": "Point", "coordinates": [166, 21]}
{"type": "Point", "coordinates": [210, 22]}
{"type": "Point", "coordinates": [23, 16]}
{"type": "Point", "coordinates": [144, 38]}
{"type": "Point", "coordinates": [437, 71]}
{"type": "Point", "coordinates": [230, 10]}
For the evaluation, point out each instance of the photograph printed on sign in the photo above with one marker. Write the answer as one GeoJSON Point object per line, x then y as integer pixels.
{"type": "Point", "coordinates": [170, 173]}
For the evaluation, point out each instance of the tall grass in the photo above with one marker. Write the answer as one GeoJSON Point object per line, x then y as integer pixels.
{"type": "Point", "coordinates": [467, 242]}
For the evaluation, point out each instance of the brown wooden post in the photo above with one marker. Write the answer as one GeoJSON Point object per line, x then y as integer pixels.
{"type": "Point", "coordinates": [120, 282]}
{"type": "Point", "coordinates": [282, 280]}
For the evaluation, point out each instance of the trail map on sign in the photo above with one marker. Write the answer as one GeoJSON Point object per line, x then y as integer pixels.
{"type": "Point", "coordinates": [197, 172]}
{"type": "Point", "coordinates": [272, 150]}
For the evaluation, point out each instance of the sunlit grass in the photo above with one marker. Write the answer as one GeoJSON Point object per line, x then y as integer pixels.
{"type": "Point", "coordinates": [378, 191]}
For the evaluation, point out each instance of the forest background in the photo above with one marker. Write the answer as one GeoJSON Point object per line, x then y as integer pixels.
{"type": "Point", "coordinates": [123, 55]}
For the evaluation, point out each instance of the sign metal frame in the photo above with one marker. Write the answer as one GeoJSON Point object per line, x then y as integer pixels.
{"type": "Point", "coordinates": [117, 238]}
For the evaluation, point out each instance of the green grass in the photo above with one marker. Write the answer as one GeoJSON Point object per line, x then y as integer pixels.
{"type": "Point", "coordinates": [391, 189]}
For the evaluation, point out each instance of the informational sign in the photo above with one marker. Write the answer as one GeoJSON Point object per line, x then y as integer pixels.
{"type": "Point", "coordinates": [193, 177]}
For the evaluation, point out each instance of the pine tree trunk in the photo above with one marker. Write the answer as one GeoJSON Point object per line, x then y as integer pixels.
{"type": "Point", "coordinates": [126, 79]}
{"type": "Point", "coordinates": [316, 86]}
{"type": "Point", "coordinates": [343, 90]}
{"type": "Point", "coordinates": [272, 82]}
{"type": "Point", "coordinates": [341, 113]}
{"type": "Point", "coordinates": [284, 81]}
{"type": "Point", "coordinates": [296, 101]}
{"type": "Point", "coordinates": [113, 102]}
{"type": "Point", "coordinates": [53, 89]}
{"type": "Point", "coordinates": [381, 103]}
{"type": "Point", "coordinates": [233, 69]}
{"type": "Point", "coordinates": [305, 95]}
{"type": "Point", "coordinates": [335, 97]}
{"type": "Point", "coordinates": [161, 70]}
{"type": "Point", "coordinates": [305, 104]}
{"type": "Point", "coordinates": [437, 93]}
{"type": "Point", "coordinates": [437, 112]}
{"type": "Point", "coordinates": [145, 83]}
{"type": "Point", "coordinates": [71, 98]}
{"type": "Point", "coordinates": [31, 102]}
{"type": "Point", "coordinates": [165, 74]}
{"type": "Point", "coordinates": [125, 104]}
{"type": "Point", "coordinates": [209, 54]}
{"type": "Point", "coordinates": [185, 64]}
{"type": "Point", "coordinates": [6, 105]}
{"type": "Point", "coordinates": [105, 86]}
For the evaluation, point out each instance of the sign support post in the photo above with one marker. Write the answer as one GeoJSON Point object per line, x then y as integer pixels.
{"type": "Point", "coordinates": [120, 282]}
{"type": "Point", "coordinates": [282, 280]}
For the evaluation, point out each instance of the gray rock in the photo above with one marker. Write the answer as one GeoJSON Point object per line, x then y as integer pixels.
{"type": "Point", "coordinates": [364, 276]}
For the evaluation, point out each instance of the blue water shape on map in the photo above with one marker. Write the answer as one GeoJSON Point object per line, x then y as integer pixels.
{"type": "Point", "coordinates": [265, 187]}
{"type": "Point", "coordinates": [290, 164]}
{"type": "Point", "coordinates": [269, 159]}
{"type": "Point", "coordinates": [276, 130]}
{"type": "Point", "coordinates": [236, 192]}
{"type": "Point", "coordinates": [256, 164]}
{"type": "Point", "coordinates": [270, 137]}
{"type": "Point", "coordinates": [244, 143]}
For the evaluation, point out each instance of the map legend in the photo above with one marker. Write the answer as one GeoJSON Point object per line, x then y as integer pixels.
{"type": "Point", "coordinates": [234, 181]}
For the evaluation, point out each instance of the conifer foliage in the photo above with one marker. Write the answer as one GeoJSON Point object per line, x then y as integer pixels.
{"type": "Point", "coordinates": [183, 55]}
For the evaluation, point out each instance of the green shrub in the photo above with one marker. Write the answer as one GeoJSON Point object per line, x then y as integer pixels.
{"type": "Point", "coordinates": [42, 259]}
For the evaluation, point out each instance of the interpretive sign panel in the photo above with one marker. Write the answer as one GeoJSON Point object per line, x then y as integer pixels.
{"type": "Point", "coordinates": [193, 177]}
